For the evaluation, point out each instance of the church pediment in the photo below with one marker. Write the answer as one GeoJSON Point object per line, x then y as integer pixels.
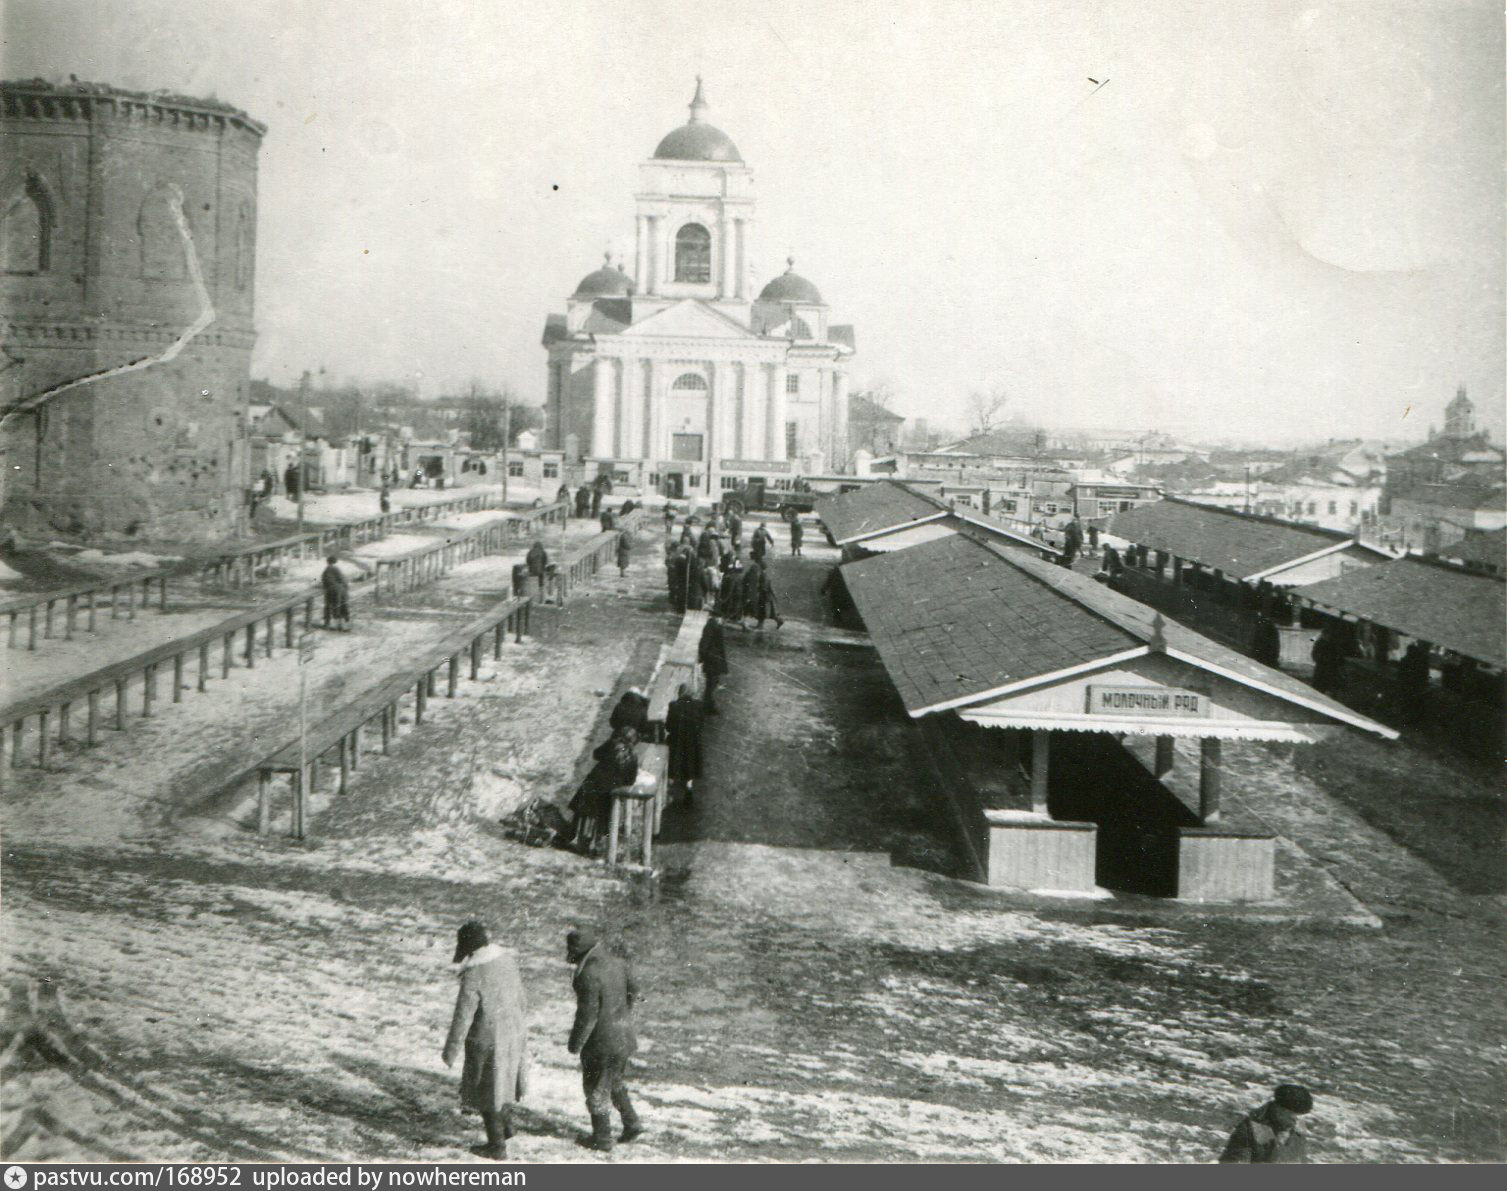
{"type": "Point", "coordinates": [688, 319]}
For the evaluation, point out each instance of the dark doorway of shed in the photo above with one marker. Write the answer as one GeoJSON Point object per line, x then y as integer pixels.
{"type": "Point", "coordinates": [1094, 779]}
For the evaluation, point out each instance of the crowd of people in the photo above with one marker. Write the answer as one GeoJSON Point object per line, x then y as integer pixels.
{"type": "Point", "coordinates": [705, 569]}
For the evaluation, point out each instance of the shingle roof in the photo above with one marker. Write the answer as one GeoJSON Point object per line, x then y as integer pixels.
{"type": "Point", "coordinates": [873, 508]}
{"type": "Point", "coordinates": [957, 619]}
{"type": "Point", "coordinates": [1238, 544]}
{"type": "Point", "coordinates": [1444, 605]}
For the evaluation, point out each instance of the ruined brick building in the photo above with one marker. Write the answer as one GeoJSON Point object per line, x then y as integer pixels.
{"type": "Point", "coordinates": [128, 232]}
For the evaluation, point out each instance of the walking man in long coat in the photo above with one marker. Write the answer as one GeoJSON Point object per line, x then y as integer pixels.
{"type": "Point", "coordinates": [490, 1025]}
{"type": "Point", "coordinates": [797, 535]}
{"type": "Point", "coordinates": [537, 561]}
{"type": "Point", "coordinates": [624, 552]}
{"type": "Point", "coordinates": [683, 731]}
{"type": "Point", "coordinates": [337, 595]}
{"type": "Point", "coordinates": [712, 654]}
{"type": "Point", "coordinates": [603, 1034]}
{"type": "Point", "coordinates": [759, 544]}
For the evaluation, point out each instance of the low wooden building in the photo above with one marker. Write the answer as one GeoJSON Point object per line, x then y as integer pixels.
{"type": "Point", "coordinates": [1069, 675]}
{"type": "Point", "coordinates": [894, 515]}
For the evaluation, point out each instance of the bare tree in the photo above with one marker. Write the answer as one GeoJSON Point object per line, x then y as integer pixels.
{"type": "Point", "coordinates": [986, 409]}
{"type": "Point", "coordinates": [882, 393]}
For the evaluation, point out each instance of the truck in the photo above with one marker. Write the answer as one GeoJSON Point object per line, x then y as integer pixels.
{"type": "Point", "coordinates": [787, 497]}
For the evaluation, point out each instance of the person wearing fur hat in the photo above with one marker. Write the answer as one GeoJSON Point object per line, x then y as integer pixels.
{"type": "Point", "coordinates": [1271, 1134]}
{"type": "Point", "coordinates": [632, 711]}
{"type": "Point", "coordinates": [602, 1033]}
{"type": "Point", "coordinates": [490, 1025]}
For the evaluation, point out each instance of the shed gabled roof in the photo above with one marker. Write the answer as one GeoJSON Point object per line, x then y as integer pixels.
{"type": "Point", "coordinates": [1487, 548]}
{"type": "Point", "coordinates": [875, 508]}
{"type": "Point", "coordinates": [1453, 608]}
{"type": "Point", "coordinates": [1242, 545]}
{"type": "Point", "coordinates": [959, 622]}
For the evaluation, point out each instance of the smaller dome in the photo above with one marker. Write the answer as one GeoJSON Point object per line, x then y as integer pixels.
{"type": "Point", "coordinates": [606, 282]}
{"type": "Point", "coordinates": [790, 286]}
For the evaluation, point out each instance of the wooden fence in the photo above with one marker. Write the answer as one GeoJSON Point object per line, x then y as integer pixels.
{"type": "Point", "coordinates": [86, 599]}
{"type": "Point", "coordinates": [52, 710]}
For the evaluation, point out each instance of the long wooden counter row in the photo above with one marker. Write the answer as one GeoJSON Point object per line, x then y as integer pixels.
{"type": "Point", "coordinates": [60, 700]}
{"type": "Point", "coordinates": [237, 567]}
{"type": "Point", "coordinates": [84, 599]}
{"type": "Point", "coordinates": [341, 731]}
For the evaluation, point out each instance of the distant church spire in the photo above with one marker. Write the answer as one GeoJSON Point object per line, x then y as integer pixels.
{"type": "Point", "coordinates": [698, 103]}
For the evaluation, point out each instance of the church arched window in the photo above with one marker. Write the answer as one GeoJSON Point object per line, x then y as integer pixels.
{"type": "Point", "coordinates": [162, 248]}
{"type": "Point", "coordinates": [692, 382]}
{"type": "Point", "coordinates": [26, 229]}
{"type": "Point", "coordinates": [693, 253]}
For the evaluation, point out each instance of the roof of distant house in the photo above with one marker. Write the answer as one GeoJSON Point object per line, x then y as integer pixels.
{"type": "Point", "coordinates": [1460, 494]}
{"type": "Point", "coordinates": [1242, 545]}
{"type": "Point", "coordinates": [874, 508]}
{"type": "Point", "coordinates": [1445, 605]}
{"type": "Point", "coordinates": [959, 622]}
{"type": "Point", "coordinates": [865, 409]}
{"type": "Point", "coordinates": [1486, 549]}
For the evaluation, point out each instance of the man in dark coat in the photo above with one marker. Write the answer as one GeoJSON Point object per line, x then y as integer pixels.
{"type": "Point", "coordinates": [616, 766]}
{"type": "Point", "coordinates": [384, 498]}
{"type": "Point", "coordinates": [760, 544]}
{"type": "Point", "coordinates": [712, 654]}
{"type": "Point", "coordinates": [675, 575]}
{"type": "Point", "coordinates": [683, 732]}
{"type": "Point", "coordinates": [603, 1033]}
{"type": "Point", "coordinates": [1328, 659]}
{"type": "Point", "coordinates": [632, 711]}
{"type": "Point", "coordinates": [563, 497]}
{"type": "Point", "coordinates": [797, 534]}
{"type": "Point", "coordinates": [1413, 678]}
{"type": "Point", "coordinates": [624, 552]}
{"type": "Point", "coordinates": [337, 595]}
{"type": "Point", "coordinates": [730, 593]}
{"type": "Point", "coordinates": [735, 530]}
{"type": "Point", "coordinates": [290, 481]}
{"type": "Point", "coordinates": [537, 562]}
{"type": "Point", "coordinates": [1266, 641]}
{"type": "Point", "coordinates": [709, 549]}
{"type": "Point", "coordinates": [1072, 543]}
{"type": "Point", "coordinates": [758, 597]}
{"type": "Point", "coordinates": [669, 517]}
{"type": "Point", "coordinates": [695, 583]}
{"type": "Point", "coordinates": [1271, 1134]}
{"type": "Point", "coordinates": [583, 501]}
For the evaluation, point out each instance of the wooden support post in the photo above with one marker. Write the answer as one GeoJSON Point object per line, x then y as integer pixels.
{"type": "Point", "coordinates": [1177, 570]}
{"type": "Point", "coordinates": [263, 801]}
{"type": "Point", "coordinates": [10, 641]}
{"type": "Point", "coordinates": [91, 729]}
{"type": "Point", "coordinates": [162, 594]}
{"type": "Point", "coordinates": [300, 795]}
{"type": "Point", "coordinates": [345, 763]}
{"type": "Point", "coordinates": [388, 716]}
{"type": "Point", "coordinates": [1164, 755]}
{"type": "Point", "coordinates": [178, 678]}
{"type": "Point", "coordinates": [31, 635]}
{"type": "Point", "coordinates": [17, 738]}
{"type": "Point", "coordinates": [613, 821]}
{"type": "Point", "coordinates": [130, 600]}
{"type": "Point", "coordinates": [47, 621]}
{"type": "Point", "coordinates": [453, 675]}
{"type": "Point", "coordinates": [649, 834]}
{"type": "Point", "coordinates": [522, 620]}
{"type": "Point", "coordinates": [308, 614]}
{"type": "Point", "coordinates": [148, 689]}
{"type": "Point", "coordinates": [288, 628]}
{"type": "Point", "coordinates": [90, 607]}
{"type": "Point", "coordinates": [420, 696]}
{"type": "Point", "coordinates": [1041, 759]}
{"type": "Point", "coordinates": [43, 742]}
{"type": "Point", "coordinates": [203, 665]}
{"type": "Point", "coordinates": [69, 616]}
{"type": "Point", "coordinates": [1210, 765]}
{"type": "Point", "coordinates": [475, 659]}
{"type": "Point", "coordinates": [356, 747]}
{"type": "Point", "coordinates": [65, 715]}
{"type": "Point", "coordinates": [429, 682]}
{"type": "Point", "coordinates": [115, 601]}
{"type": "Point", "coordinates": [251, 646]}
{"type": "Point", "coordinates": [497, 632]}
{"type": "Point", "coordinates": [271, 634]}
{"type": "Point", "coordinates": [225, 660]}
{"type": "Point", "coordinates": [120, 704]}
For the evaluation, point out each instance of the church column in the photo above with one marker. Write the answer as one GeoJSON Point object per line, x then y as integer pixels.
{"type": "Point", "coordinates": [745, 414]}
{"type": "Point", "coordinates": [652, 254]}
{"type": "Point", "coordinates": [720, 419]}
{"type": "Point", "coordinates": [740, 252]}
{"type": "Point", "coordinates": [774, 445]}
{"type": "Point", "coordinates": [839, 458]}
{"type": "Point", "coordinates": [602, 423]}
{"type": "Point", "coordinates": [641, 259]}
{"type": "Point", "coordinates": [654, 402]}
{"type": "Point", "coordinates": [627, 419]}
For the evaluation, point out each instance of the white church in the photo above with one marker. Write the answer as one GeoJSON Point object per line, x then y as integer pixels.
{"type": "Point", "coordinates": [678, 379]}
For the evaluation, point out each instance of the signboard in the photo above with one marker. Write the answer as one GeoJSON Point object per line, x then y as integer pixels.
{"type": "Point", "coordinates": [1146, 701]}
{"type": "Point", "coordinates": [754, 466]}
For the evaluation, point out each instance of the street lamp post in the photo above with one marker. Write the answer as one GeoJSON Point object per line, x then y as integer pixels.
{"type": "Point", "coordinates": [303, 438]}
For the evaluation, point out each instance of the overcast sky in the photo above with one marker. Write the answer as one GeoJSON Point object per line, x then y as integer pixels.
{"type": "Point", "coordinates": [1274, 220]}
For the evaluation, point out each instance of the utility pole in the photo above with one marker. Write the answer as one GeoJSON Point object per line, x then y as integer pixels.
{"type": "Point", "coordinates": [303, 439]}
{"type": "Point", "coordinates": [507, 436]}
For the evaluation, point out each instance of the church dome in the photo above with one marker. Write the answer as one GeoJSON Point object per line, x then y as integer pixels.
{"type": "Point", "coordinates": [790, 286]}
{"type": "Point", "coordinates": [606, 282]}
{"type": "Point", "coordinates": [697, 140]}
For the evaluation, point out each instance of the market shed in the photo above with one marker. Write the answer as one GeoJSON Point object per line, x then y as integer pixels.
{"type": "Point", "coordinates": [1454, 609]}
{"type": "Point", "coordinates": [1004, 640]}
{"type": "Point", "coordinates": [893, 515]}
{"type": "Point", "coordinates": [1237, 547]}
